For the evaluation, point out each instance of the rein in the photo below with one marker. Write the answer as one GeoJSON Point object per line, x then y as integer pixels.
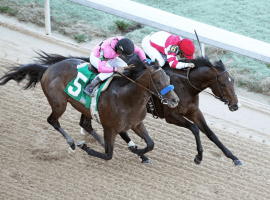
{"type": "Point", "coordinates": [153, 93]}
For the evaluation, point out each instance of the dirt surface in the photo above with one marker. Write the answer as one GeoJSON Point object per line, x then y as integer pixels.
{"type": "Point", "coordinates": [34, 163]}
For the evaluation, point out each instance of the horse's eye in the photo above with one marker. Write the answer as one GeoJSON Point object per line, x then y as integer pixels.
{"type": "Point", "coordinates": [223, 85]}
{"type": "Point", "coordinates": [158, 82]}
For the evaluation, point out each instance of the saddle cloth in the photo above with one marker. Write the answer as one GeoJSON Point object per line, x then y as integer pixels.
{"type": "Point", "coordinates": [75, 88]}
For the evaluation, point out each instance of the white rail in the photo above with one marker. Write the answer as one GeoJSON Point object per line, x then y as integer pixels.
{"type": "Point", "coordinates": [47, 17]}
{"type": "Point", "coordinates": [182, 26]}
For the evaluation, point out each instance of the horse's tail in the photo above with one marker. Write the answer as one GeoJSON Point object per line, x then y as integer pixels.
{"type": "Point", "coordinates": [32, 72]}
{"type": "Point", "coordinates": [50, 59]}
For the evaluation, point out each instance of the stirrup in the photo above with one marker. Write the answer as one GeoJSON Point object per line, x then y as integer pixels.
{"type": "Point", "coordinates": [92, 94]}
{"type": "Point", "coordinates": [88, 90]}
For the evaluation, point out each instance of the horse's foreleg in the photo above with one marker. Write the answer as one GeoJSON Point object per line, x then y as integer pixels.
{"type": "Point", "coordinates": [109, 145]}
{"type": "Point", "coordinates": [198, 118]}
{"type": "Point", "coordinates": [86, 124]}
{"type": "Point", "coordinates": [53, 120]}
{"type": "Point", "coordinates": [175, 119]}
{"type": "Point", "coordinates": [140, 130]}
{"type": "Point", "coordinates": [131, 144]}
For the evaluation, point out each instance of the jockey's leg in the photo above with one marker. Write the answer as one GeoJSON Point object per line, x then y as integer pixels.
{"type": "Point", "coordinates": [90, 87]}
{"type": "Point", "coordinates": [117, 62]}
{"type": "Point", "coordinates": [151, 51]}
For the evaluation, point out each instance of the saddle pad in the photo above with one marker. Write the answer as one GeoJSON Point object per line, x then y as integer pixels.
{"type": "Point", "coordinates": [75, 88]}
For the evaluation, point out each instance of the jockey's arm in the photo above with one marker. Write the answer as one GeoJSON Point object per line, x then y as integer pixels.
{"type": "Point", "coordinates": [102, 68]}
{"type": "Point", "coordinates": [140, 52]}
{"type": "Point", "coordinates": [174, 63]}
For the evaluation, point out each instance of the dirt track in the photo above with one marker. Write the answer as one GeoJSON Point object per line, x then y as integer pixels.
{"type": "Point", "coordinates": [34, 163]}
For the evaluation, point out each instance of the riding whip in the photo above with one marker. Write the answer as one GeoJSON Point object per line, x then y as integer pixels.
{"type": "Point", "coordinates": [199, 42]}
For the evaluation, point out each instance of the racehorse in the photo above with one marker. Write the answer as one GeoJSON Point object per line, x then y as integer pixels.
{"type": "Point", "coordinates": [121, 107]}
{"type": "Point", "coordinates": [188, 84]}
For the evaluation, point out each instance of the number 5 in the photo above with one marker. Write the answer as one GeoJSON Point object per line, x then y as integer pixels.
{"type": "Point", "coordinates": [77, 84]}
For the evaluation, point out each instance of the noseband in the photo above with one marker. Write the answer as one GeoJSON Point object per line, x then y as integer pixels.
{"type": "Point", "coordinates": [223, 99]}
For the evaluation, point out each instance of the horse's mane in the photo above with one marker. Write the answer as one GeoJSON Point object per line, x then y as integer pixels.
{"type": "Point", "coordinates": [133, 73]}
{"type": "Point", "coordinates": [204, 61]}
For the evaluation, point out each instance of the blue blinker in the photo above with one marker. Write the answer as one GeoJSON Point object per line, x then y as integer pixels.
{"type": "Point", "coordinates": [167, 89]}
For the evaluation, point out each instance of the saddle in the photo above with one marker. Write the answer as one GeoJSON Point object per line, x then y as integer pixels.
{"type": "Point", "coordinates": [108, 81]}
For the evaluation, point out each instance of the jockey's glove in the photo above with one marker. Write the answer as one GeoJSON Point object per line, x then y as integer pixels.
{"type": "Point", "coordinates": [191, 65]}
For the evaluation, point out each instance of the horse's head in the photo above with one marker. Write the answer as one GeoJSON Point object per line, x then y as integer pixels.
{"type": "Point", "coordinates": [223, 86]}
{"type": "Point", "coordinates": [160, 84]}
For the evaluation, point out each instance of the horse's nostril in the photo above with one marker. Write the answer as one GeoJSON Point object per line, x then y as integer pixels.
{"type": "Point", "coordinates": [175, 100]}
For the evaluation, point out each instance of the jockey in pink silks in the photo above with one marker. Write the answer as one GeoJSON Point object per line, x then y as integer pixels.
{"type": "Point", "coordinates": [165, 46]}
{"type": "Point", "coordinates": [105, 58]}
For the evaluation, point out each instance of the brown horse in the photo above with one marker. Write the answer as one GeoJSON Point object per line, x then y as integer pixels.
{"type": "Point", "coordinates": [121, 107]}
{"type": "Point", "coordinates": [188, 84]}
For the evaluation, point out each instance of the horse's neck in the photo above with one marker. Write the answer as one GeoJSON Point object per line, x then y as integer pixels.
{"type": "Point", "coordinates": [201, 78]}
{"type": "Point", "coordinates": [138, 93]}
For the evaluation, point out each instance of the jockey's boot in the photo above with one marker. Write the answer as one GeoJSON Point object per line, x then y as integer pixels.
{"type": "Point", "coordinates": [90, 87]}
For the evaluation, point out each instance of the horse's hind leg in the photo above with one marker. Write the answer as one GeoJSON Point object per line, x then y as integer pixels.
{"type": "Point", "coordinates": [53, 120]}
{"type": "Point", "coordinates": [131, 144]}
{"type": "Point", "coordinates": [58, 104]}
{"type": "Point", "coordinates": [86, 124]}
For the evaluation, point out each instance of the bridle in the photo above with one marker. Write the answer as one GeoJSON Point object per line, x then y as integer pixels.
{"type": "Point", "coordinates": [157, 93]}
{"type": "Point", "coordinates": [222, 98]}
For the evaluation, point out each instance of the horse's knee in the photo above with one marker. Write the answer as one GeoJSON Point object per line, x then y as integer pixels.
{"type": "Point", "coordinates": [150, 146]}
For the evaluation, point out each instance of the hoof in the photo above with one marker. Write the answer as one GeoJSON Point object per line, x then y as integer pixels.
{"type": "Point", "coordinates": [146, 161]}
{"type": "Point", "coordinates": [197, 161]}
{"type": "Point", "coordinates": [238, 163]}
{"type": "Point", "coordinates": [81, 144]}
{"type": "Point", "coordinates": [71, 152]}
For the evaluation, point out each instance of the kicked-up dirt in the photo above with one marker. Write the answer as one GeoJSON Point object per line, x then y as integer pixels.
{"type": "Point", "coordinates": [34, 163]}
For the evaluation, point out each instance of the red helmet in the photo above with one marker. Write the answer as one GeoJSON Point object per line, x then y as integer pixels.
{"type": "Point", "coordinates": [188, 48]}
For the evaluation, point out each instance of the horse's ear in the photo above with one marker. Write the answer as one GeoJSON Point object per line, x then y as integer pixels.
{"type": "Point", "coordinates": [149, 68]}
{"type": "Point", "coordinates": [156, 62]}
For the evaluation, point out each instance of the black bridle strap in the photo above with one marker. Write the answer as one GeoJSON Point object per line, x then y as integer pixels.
{"type": "Point", "coordinates": [221, 99]}
{"type": "Point", "coordinates": [153, 93]}
{"type": "Point", "coordinates": [222, 96]}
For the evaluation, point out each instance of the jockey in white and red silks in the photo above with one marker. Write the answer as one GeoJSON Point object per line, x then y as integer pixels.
{"type": "Point", "coordinates": [163, 44]}
{"type": "Point", "coordinates": [105, 58]}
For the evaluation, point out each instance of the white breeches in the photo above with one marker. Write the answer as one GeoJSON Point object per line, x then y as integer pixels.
{"type": "Point", "coordinates": [151, 51]}
{"type": "Point", "coordinates": [117, 62]}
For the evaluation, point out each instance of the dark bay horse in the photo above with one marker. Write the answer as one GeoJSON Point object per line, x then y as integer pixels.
{"type": "Point", "coordinates": [121, 107]}
{"type": "Point", "coordinates": [188, 84]}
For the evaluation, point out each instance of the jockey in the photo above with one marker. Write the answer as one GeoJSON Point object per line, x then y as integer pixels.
{"type": "Point", "coordinates": [105, 58]}
{"type": "Point", "coordinates": [165, 46]}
